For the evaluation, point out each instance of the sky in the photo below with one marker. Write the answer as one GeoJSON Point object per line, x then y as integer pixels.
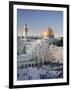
{"type": "Point", "coordinates": [38, 20]}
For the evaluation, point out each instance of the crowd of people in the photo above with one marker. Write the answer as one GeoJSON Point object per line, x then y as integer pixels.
{"type": "Point", "coordinates": [40, 71]}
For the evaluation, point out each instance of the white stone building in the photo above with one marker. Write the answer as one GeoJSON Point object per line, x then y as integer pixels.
{"type": "Point", "coordinates": [40, 50]}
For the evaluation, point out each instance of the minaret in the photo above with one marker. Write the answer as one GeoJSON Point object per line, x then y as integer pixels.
{"type": "Point", "coordinates": [25, 32]}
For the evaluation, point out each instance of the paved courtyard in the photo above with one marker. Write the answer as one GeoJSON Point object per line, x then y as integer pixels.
{"type": "Point", "coordinates": [49, 71]}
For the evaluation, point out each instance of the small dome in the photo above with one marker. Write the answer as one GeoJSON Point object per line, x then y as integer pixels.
{"type": "Point", "coordinates": [48, 32]}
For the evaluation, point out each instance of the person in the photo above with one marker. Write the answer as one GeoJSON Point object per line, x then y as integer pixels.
{"type": "Point", "coordinates": [17, 74]}
{"type": "Point", "coordinates": [29, 77]}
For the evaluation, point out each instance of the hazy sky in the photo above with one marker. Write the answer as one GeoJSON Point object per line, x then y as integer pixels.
{"type": "Point", "coordinates": [38, 20]}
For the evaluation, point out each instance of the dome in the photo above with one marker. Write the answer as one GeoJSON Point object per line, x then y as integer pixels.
{"type": "Point", "coordinates": [48, 32]}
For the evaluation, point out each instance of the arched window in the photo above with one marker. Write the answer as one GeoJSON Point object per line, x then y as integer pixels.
{"type": "Point", "coordinates": [29, 65]}
{"type": "Point", "coordinates": [36, 64]}
{"type": "Point", "coordinates": [45, 62]}
{"type": "Point", "coordinates": [22, 66]}
{"type": "Point", "coordinates": [25, 65]}
{"type": "Point", "coordinates": [32, 65]}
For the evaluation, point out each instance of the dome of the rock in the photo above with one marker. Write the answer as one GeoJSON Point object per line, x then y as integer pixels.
{"type": "Point", "coordinates": [48, 32]}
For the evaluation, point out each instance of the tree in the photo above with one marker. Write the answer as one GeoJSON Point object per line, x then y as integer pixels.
{"type": "Point", "coordinates": [24, 50]}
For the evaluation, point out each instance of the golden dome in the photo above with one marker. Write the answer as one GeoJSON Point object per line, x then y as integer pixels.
{"type": "Point", "coordinates": [48, 32]}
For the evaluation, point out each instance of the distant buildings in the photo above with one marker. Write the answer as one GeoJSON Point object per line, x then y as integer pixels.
{"type": "Point", "coordinates": [36, 50]}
